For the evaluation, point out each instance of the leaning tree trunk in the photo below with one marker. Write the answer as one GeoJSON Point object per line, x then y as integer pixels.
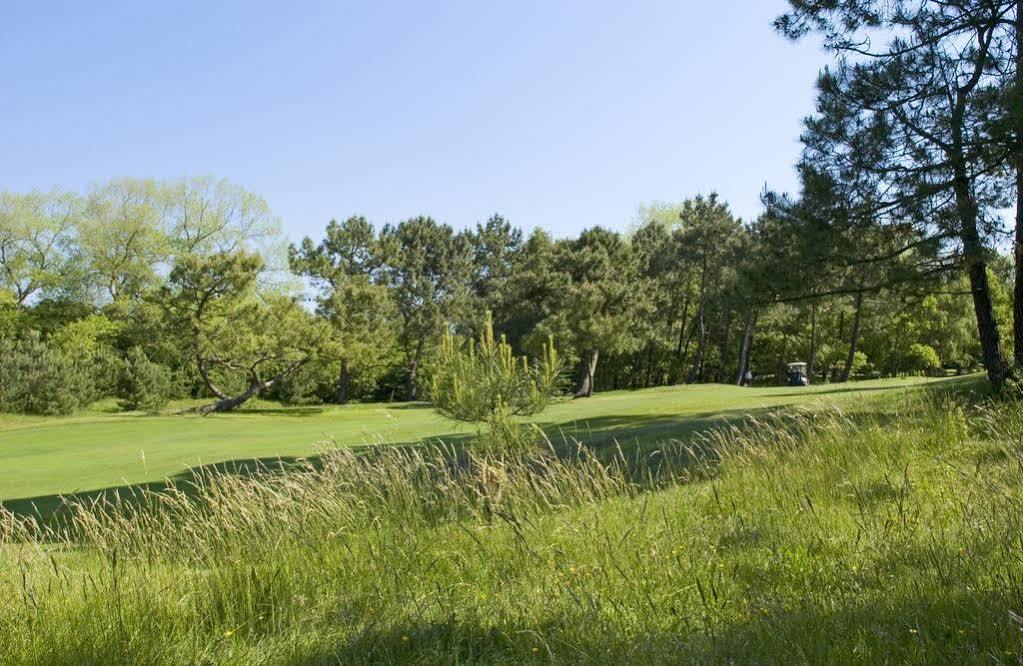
{"type": "Point", "coordinates": [587, 368]}
{"type": "Point", "coordinates": [228, 403]}
{"type": "Point", "coordinates": [854, 339]}
{"type": "Point", "coordinates": [232, 403]}
{"type": "Point", "coordinates": [344, 379]}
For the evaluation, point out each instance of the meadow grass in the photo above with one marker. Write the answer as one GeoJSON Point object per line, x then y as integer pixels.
{"type": "Point", "coordinates": [888, 530]}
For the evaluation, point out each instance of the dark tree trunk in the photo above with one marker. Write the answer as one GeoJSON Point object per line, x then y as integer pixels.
{"type": "Point", "coordinates": [1017, 289]}
{"type": "Point", "coordinates": [343, 380]}
{"type": "Point", "coordinates": [854, 339]}
{"type": "Point", "coordinates": [697, 366]}
{"type": "Point", "coordinates": [973, 251]}
{"type": "Point", "coordinates": [587, 368]}
{"type": "Point", "coordinates": [745, 347]}
{"type": "Point", "coordinates": [412, 379]}
{"type": "Point", "coordinates": [781, 367]}
{"type": "Point", "coordinates": [256, 386]}
{"type": "Point", "coordinates": [681, 327]}
{"type": "Point", "coordinates": [682, 350]}
{"type": "Point", "coordinates": [726, 346]}
{"type": "Point", "coordinates": [811, 358]}
{"type": "Point", "coordinates": [232, 403]}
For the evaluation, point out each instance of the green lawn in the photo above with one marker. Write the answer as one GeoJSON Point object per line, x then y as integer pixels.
{"type": "Point", "coordinates": [44, 457]}
{"type": "Point", "coordinates": [887, 530]}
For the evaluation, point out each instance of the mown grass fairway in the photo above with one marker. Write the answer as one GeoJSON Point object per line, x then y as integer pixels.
{"type": "Point", "coordinates": [43, 457]}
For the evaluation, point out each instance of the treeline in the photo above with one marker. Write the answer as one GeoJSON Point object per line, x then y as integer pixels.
{"type": "Point", "coordinates": [150, 291]}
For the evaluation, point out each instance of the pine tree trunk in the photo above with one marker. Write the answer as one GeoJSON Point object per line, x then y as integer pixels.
{"type": "Point", "coordinates": [233, 403]}
{"type": "Point", "coordinates": [697, 366]}
{"type": "Point", "coordinates": [584, 378]}
{"type": "Point", "coordinates": [854, 338]}
{"type": "Point", "coordinates": [649, 365]}
{"type": "Point", "coordinates": [745, 348]}
{"type": "Point", "coordinates": [973, 252]}
{"type": "Point", "coordinates": [811, 358]}
{"type": "Point", "coordinates": [343, 380]}
{"type": "Point", "coordinates": [256, 386]}
{"type": "Point", "coordinates": [726, 346]}
{"type": "Point", "coordinates": [1017, 290]}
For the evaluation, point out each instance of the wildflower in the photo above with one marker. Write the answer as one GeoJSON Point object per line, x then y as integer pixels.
{"type": "Point", "coordinates": [404, 638]}
{"type": "Point", "coordinates": [229, 633]}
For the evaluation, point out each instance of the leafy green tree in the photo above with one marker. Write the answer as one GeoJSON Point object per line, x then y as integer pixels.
{"type": "Point", "coordinates": [207, 216]}
{"type": "Point", "coordinates": [921, 358]}
{"type": "Point", "coordinates": [591, 306]}
{"type": "Point", "coordinates": [346, 270]}
{"type": "Point", "coordinates": [36, 243]}
{"type": "Point", "coordinates": [122, 237]}
{"type": "Point", "coordinates": [425, 266]}
{"type": "Point", "coordinates": [711, 241]}
{"type": "Point", "coordinates": [242, 342]}
{"type": "Point", "coordinates": [143, 385]}
{"type": "Point", "coordinates": [494, 248]}
{"type": "Point", "coordinates": [914, 114]}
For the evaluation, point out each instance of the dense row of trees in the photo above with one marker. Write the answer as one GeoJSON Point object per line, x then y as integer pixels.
{"type": "Point", "coordinates": [886, 260]}
{"type": "Point", "coordinates": [149, 291]}
{"type": "Point", "coordinates": [917, 140]}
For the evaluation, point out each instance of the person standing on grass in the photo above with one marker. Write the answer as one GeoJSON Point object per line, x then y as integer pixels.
{"type": "Point", "coordinates": [747, 379]}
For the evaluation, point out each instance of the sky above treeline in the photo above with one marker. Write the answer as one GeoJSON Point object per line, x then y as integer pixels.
{"type": "Point", "coordinates": [560, 115]}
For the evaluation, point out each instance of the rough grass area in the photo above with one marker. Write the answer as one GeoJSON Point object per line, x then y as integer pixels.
{"type": "Point", "coordinates": [892, 533]}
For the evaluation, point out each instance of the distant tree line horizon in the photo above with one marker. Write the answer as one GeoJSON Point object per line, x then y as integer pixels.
{"type": "Point", "coordinates": [885, 261]}
{"type": "Point", "coordinates": [149, 290]}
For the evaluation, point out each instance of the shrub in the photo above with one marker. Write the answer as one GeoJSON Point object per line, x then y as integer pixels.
{"type": "Point", "coordinates": [143, 385]}
{"type": "Point", "coordinates": [922, 358]}
{"type": "Point", "coordinates": [35, 379]}
{"type": "Point", "coordinates": [482, 382]}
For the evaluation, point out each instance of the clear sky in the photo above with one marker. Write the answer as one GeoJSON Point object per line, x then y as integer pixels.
{"type": "Point", "coordinates": [561, 115]}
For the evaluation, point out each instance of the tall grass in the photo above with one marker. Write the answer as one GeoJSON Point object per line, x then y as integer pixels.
{"type": "Point", "coordinates": [892, 534]}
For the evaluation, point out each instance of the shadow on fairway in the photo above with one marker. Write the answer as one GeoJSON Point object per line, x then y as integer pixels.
{"type": "Point", "coordinates": [604, 436]}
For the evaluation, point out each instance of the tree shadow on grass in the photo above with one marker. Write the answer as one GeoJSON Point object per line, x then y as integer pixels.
{"type": "Point", "coordinates": [55, 511]}
{"type": "Point", "coordinates": [934, 626]}
{"type": "Point", "coordinates": [634, 436]}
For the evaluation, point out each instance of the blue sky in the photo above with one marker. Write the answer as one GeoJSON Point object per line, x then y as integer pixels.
{"type": "Point", "coordinates": [561, 115]}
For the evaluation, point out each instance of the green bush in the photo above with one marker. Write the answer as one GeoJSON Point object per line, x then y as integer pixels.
{"type": "Point", "coordinates": [143, 385]}
{"type": "Point", "coordinates": [35, 379]}
{"type": "Point", "coordinates": [482, 382]}
{"type": "Point", "coordinates": [921, 358]}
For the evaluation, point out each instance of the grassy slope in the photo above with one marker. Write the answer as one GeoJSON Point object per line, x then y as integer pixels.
{"type": "Point", "coordinates": [891, 535]}
{"type": "Point", "coordinates": [46, 456]}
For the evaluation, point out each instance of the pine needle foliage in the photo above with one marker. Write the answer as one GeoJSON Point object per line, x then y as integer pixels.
{"type": "Point", "coordinates": [482, 381]}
